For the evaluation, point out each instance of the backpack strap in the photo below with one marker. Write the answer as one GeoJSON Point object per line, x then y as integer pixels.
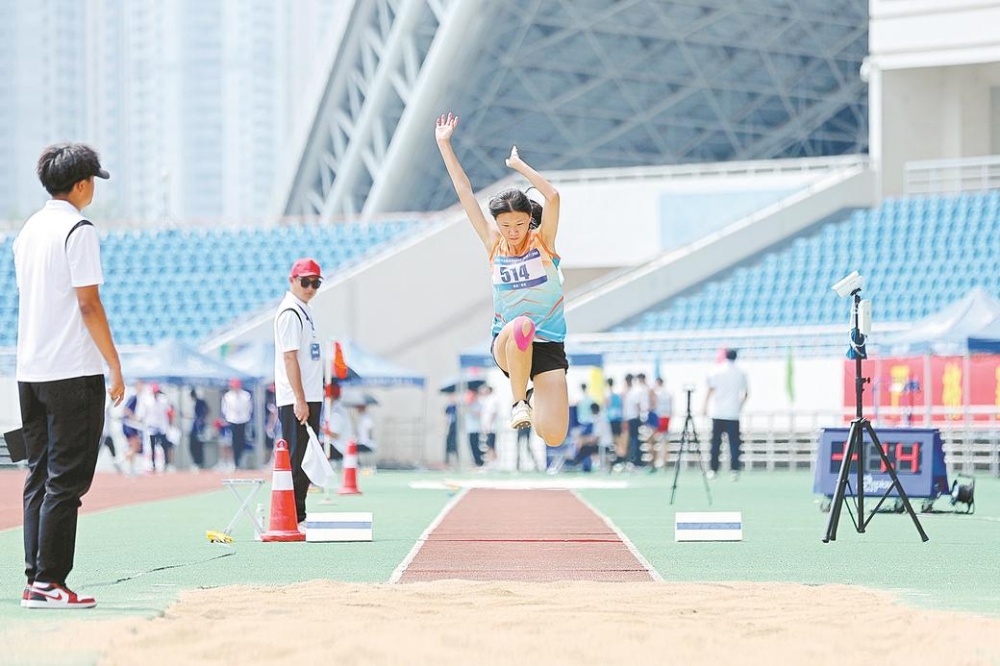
{"type": "Point", "coordinates": [78, 225]}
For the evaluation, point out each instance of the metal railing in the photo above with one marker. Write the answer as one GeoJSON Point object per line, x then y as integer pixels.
{"type": "Point", "coordinates": [974, 174]}
{"type": "Point", "coordinates": [778, 441]}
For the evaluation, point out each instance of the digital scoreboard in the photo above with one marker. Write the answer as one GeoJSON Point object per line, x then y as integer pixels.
{"type": "Point", "coordinates": [916, 455]}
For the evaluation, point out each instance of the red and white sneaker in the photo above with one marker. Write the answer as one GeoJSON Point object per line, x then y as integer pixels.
{"type": "Point", "coordinates": [25, 595]}
{"type": "Point", "coordinates": [53, 595]}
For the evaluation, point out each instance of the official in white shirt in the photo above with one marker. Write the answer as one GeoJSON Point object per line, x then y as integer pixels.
{"type": "Point", "coordinates": [237, 410]}
{"type": "Point", "coordinates": [62, 337]}
{"type": "Point", "coordinates": [727, 393]}
{"type": "Point", "coordinates": [298, 371]}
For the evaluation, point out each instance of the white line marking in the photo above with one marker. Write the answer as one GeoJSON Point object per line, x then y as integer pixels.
{"type": "Point", "coordinates": [654, 574]}
{"type": "Point", "coordinates": [401, 569]}
{"type": "Point", "coordinates": [551, 483]}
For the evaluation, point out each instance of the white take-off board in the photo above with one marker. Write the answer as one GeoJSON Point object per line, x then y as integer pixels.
{"type": "Point", "coordinates": [339, 526]}
{"type": "Point", "coordinates": [708, 526]}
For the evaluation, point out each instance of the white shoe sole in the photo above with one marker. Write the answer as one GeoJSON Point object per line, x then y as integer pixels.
{"type": "Point", "coordinates": [47, 605]}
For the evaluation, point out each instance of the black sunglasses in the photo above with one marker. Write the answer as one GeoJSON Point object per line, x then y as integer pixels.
{"type": "Point", "coordinates": [306, 282]}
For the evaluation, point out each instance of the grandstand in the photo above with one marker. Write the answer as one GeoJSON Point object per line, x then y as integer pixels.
{"type": "Point", "coordinates": [918, 254]}
{"type": "Point", "coordinates": [188, 283]}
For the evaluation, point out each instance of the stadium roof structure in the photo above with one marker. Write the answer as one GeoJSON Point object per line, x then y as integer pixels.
{"type": "Point", "coordinates": [575, 84]}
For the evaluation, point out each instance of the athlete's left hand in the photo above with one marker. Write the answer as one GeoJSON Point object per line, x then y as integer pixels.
{"type": "Point", "coordinates": [514, 161]}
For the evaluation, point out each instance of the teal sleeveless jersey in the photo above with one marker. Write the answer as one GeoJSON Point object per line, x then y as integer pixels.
{"type": "Point", "coordinates": [528, 284]}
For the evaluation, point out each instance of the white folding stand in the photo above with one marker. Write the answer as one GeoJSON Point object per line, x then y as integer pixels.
{"type": "Point", "coordinates": [251, 487]}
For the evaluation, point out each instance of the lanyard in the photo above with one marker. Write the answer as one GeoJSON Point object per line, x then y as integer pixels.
{"type": "Point", "coordinates": [308, 318]}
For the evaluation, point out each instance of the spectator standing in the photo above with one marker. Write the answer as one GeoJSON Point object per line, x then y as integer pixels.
{"type": "Point", "coordinates": [199, 423]}
{"type": "Point", "coordinates": [644, 395]}
{"type": "Point", "coordinates": [473, 423]}
{"type": "Point", "coordinates": [451, 430]}
{"type": "Point", "coordinates": [298, 371]}
{"type": "Point", "coordinates": [727, 393]}
{"type": "Point", "coordinates": [237, 410]}
{"type": "Point", "coordinates": [630, 419]}
{"type": "Point", "coordinates": [62, 337]}
{"type": "Point", "coordinates": [613, 410]}
{"type": "Point", "coordinates": [489, 411]}
{"type": "Point", "coordinates": [636, 409]}
{"type": "Point", "coordinates": [155, 411]}
{"type": "Point", "coordinates": [664, 407]}
{"type": "Point", "coordinates": [132, 428]}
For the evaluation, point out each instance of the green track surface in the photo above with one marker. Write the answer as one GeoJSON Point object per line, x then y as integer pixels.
{"type": "Point", "coordinates": [137, 558]}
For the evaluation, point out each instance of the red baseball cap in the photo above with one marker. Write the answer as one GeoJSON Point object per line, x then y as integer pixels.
{"type": "Point", "coordinates": [304, 267]}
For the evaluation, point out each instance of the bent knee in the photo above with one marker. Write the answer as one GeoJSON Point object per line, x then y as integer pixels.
{"type": "Point", "coordinates": [552, 436]}
{"type": "Point", "coordinates": [524, 332]}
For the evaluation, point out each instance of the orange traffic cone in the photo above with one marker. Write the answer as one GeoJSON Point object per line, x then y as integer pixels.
{"type": "Point", "coordinates": [284, 526]}
{"type": "Point", "coordinates": [350, 484]}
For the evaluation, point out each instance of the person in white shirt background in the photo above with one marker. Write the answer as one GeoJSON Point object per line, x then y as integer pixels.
{"type": "Point", "coordinates": [154, 410]}
{"type": "Point", "coordinates": [727, 393]}
{"type": "Point", "coordinates": [664, 408]}
{"type": "Point", "coordinates": [638, 403]}
{"type": "Point", "coordinates": [489, 411]}
{"type": "Point", "coordinates": [473, 423]}
{"type": "Point", "coordinates": [237, 409]}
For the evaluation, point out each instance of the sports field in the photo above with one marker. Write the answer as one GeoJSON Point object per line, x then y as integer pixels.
{"type": "Point", "coordinates": [139, 560]}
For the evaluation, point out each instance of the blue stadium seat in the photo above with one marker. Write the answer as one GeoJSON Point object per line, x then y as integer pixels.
{"type": "Point", "coordinates": [952, 240]}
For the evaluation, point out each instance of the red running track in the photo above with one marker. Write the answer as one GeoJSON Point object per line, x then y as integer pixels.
{"type": "Point", "coordinates": [111, 490]}
{"type": "Point", "coordinates": [524, 535]}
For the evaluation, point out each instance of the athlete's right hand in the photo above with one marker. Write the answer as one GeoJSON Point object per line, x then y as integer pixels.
{"type": "Point", "coordinates": [301, 410]}
{"type": "Point", "coordinates": [445, 127]}
{"type": "Point", "coordinates": [117, 388]}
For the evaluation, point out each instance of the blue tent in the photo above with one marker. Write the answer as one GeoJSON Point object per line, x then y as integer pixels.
{"type": "Point", "coordinates": [371, 371]}
{"type": "Point", "coordinates": [253, 358]}
{"type": "Point", "coordinates": [968, 326]}
{"type": "Point", "coordinates": [172, 362]}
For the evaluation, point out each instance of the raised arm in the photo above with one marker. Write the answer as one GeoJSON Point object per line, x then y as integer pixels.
{"type": "Point", "coordinates": [443, 130]}
{"type": "Point", "coordinates": [550, 212]}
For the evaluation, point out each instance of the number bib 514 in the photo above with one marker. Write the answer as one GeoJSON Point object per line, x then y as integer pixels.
{"type": "Point", "coordinates": [519, 272]}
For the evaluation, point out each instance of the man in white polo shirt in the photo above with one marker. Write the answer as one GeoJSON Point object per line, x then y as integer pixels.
{"type": "Point", "coordinates": [62, 336]}
{"type": "Point", "coordinates": [727, 393]}
{"type": "Point", "coordinates": [298, 371]}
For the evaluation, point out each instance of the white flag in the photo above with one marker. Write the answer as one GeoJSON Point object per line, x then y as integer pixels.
{"type": "Point", "coordinates": [315, 464]}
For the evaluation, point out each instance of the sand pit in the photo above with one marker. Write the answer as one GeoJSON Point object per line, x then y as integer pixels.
{"type": "Point", "coordinates": [580, 623]}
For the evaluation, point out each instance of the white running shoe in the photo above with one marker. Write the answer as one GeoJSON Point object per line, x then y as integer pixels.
{"type": "Point", "coordinates": [520, 416]}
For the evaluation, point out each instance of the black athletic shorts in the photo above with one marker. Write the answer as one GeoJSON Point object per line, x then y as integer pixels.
{"type": "Point", "coordinates": [545, 356]}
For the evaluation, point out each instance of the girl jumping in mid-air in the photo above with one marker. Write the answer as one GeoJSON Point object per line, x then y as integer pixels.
{"type": "Point", "coordinates": [528, 325]}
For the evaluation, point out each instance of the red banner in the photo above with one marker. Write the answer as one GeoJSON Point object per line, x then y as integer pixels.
{"type": "Point", "coordinates": [902, 383]}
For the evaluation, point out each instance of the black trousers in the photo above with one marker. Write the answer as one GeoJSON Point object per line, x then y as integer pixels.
{"type": "Point", "coordinates": [197, 447]}
{"type": "Point", "coordinates": [62, 422]}
{"type": "Point", "coordinates": [634, 446]}
{"type": "Point", "coordinates": [297, 438]}
{"type": "Point", "coordinates": [239, 439]}
{"type": "Point", "coordinates": [477, 453]}
{"type": "Point", "coordinates": [732, 430]}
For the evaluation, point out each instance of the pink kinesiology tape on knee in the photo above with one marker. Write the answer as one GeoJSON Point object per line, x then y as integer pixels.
{"type": "Point", "coordinates": [520, 337]}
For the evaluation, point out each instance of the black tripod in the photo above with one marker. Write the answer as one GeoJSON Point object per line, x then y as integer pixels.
{"type": "Point", "coordinates": [689, 442]}
{"type": "Point", "coordinates": [854, 448]}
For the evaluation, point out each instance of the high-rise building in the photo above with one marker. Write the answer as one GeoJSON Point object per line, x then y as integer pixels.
{"type": "Point", "coordinates": [191, 103]}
